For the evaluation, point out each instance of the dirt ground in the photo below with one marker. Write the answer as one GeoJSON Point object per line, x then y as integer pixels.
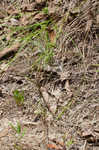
{"type": "Point", "coordinates": [61, 100]}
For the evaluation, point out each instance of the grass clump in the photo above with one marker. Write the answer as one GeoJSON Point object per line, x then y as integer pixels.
{"type": "Point", "coordinates": [38, 36]}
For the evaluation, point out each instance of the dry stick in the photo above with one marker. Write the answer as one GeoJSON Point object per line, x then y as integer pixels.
{"type": "Point", "coordinates": [41, 95]}
{"type": "Point", "coordinates": [85, 145]}
{"type": "Point", "coordinates": [47, 106]}
{"type": "Point", "coordinates": [8, 50]}
{"type": "Point", "coordinates": [65, 108]}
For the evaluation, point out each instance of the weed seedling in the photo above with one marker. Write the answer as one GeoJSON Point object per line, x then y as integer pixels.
{"type": "Point", "coordinates": [69, 143]}
{"type": "Point", "coordinates": [45, 10]}
{"type": "Point", "coordinates": [19, 97]}
{"type": "Point", "coordinates": [18, 130]}
{"type": "Point", "coordinates": [19, 134]}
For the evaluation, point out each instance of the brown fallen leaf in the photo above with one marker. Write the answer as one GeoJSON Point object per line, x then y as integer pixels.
{"type": "Point", "coordinates": [11, 10]}
{"type": "Point", "coordinates": [88, 25]}
{"type": "Point", "coordinates": [91, 136]}
{"type": "Point", "coordinates": [26, 19]}
{"type": "Point", "coordinates": [38, 16]}
{"type": "Point", "coordinates": [53, 147]}
{"type": "Point", "coordinates": [56, 145]}
{"type": "Point", "coordinates": [46, 98]}
{"type": "Point", "coordinates": [39, 1]}
{"type": "Point", "coordinates": [3, 13]}
{"type": "Point", "coordinates": [3, 133]}
{"type": "Point", "coordinates": [52, 35]}
{"type": "Point", "coordinates": [97, 19]}
{"type": "Point", "coordinates": [10, 49]}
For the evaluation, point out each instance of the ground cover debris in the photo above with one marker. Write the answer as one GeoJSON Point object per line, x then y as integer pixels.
{"type": "Point", "coordinates": [49, 75]}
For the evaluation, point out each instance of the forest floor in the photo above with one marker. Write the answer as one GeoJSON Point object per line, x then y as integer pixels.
{"type": "Point", "coordinates": [49, 75]}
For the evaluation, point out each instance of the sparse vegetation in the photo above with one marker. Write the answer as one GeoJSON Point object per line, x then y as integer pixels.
{"type": "Point", "coordinates": [18, 130]}
{"type": "Point", "coordinates": [49, 69]}
{"type": "Point", "coordinates": [38, 35]}
{"type": "Point", "coordinates": [19, 134]}
{"type": "Point", "coordinates": [69, 143]}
